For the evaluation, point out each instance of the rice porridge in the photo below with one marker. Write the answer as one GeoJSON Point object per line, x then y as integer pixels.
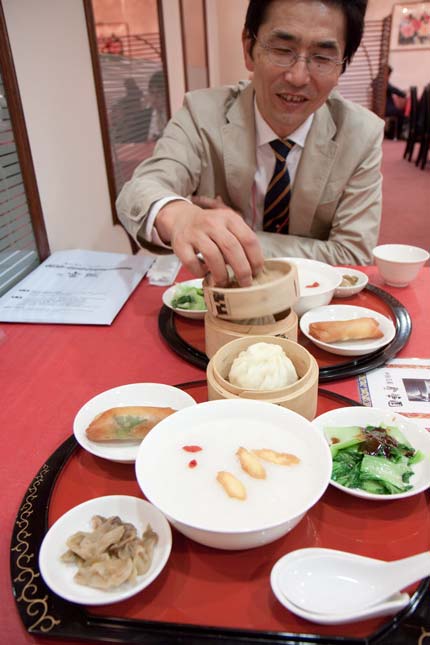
{"type": "Point", "coordinates": [183, 483]}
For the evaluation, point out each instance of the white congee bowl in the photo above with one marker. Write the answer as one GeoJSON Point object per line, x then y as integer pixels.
{"type": "Point", "coordinates": [183, 485]}
{"type": "Point", "coordinates": [311, 272]}
{"type": "Point", "coordinates": [399, 264]}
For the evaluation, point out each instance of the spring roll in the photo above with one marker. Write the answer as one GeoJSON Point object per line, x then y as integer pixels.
{"type": "Point", "coordinates": [338, 331]}
{"type": "Point", "coordinates": [130, 423]}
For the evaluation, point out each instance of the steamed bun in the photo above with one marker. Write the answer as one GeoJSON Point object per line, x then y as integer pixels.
{"type": "Point", "coordinates": [262, 366]}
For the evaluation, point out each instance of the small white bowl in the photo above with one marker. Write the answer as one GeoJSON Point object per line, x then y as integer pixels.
{"type": "Point", "coordinates": [399, 264]}
{"type": "Point", "coordinates": [311, 272]}
{"type": "Point", "coordinates": [351, 290]}
{"type": "Point", "coordinates": [168, 295]}
{"type": "Point", "coordinates": [59, 575]}
{"type": "Point", "coordinates": [364, 416]}
{"type": "Point", "coordinates": [151, 394]}
{"type": "Point", "coordinates": [196, 503]}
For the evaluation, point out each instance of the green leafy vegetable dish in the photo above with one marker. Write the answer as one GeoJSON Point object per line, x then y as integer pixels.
{"type": "Point", "coordinates": [375, 459]}
{"type": "Point", "coordinates": [190, 298]}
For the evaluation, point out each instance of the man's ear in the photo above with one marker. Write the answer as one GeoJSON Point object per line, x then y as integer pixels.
{"type": "Point", "coordinates": [247, 43]}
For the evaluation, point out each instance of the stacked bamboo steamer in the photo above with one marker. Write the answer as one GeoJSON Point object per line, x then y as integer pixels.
{"type": "Point", "coordinates": [227, 335]}
{"type": "Point", "coordinates": [234, 312]}
{"type": "Point", "coordinates": [301, 396]}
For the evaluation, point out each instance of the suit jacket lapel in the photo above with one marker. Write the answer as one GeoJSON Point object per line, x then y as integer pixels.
{"type": "Point", "coordinates": [239, 148]}
{"type": "Point", "coordinates": [313, 171]}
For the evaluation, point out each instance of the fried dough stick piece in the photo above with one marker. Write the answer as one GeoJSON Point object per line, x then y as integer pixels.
{"type": "Point", "coordinates": [280, 458]}
{"type": "Point", "coordinates": [337, 331]}
{"type": "Point", "coordinates": [250, 464]}
{"type": "Point", "coordinates": [130, 423]}
{"type": "Point", "coordinates": [232, 486]}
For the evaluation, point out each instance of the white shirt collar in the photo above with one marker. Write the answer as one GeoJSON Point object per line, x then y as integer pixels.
{"type": "Point", "coordinates": [264, 132]}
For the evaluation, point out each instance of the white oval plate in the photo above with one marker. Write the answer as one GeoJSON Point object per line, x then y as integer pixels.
{"type": "Point", "coordinates": [348, 312]}
{"type": "Point", "coordinates": [151, 394]}
{"type": "Point", "coordinates": [59, 575]}
{"type": "Point", "coordinates": [197, 314]}
{"type": "Point", "coordinates": [346, 292]}
{"type": "Point", "coordinates": [363, 416]}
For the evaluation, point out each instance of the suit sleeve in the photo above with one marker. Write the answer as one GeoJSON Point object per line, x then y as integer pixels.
{"type": "Point", "coordinates": [355, 225]}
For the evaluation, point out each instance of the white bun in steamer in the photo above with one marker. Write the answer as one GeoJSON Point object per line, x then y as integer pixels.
{"type": "Point", "coordinates": [262, 366]}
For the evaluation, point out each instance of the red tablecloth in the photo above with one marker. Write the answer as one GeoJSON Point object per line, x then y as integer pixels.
{"type": "Point", "coordinates": [48, 372]}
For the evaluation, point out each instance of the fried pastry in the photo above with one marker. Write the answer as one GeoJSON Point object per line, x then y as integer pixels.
{"type": "Point", "coordinates": [231, 484]}
{"type": "Point", "coordinates": [279, 458]}
{"type": "Point", "coordinates": [250, 464]}
{"type": "Point", "coordinates": [338, 331]}
{"type": "Point", "coordinates": [130, 423]}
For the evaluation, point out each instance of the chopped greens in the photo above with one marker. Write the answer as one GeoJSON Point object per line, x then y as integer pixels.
{"type": "Point", "coordinates": [375, 459]}
{"type": "Point", "coordinates": [186, 297]}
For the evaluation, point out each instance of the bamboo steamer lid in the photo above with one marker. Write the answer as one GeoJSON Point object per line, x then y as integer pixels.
{"type": "Point", "coordinates": [218, 331]}
{"type": "Point", "coordinates": [271, 297]}
{"type": "Point", "coordinates": [301, 396]}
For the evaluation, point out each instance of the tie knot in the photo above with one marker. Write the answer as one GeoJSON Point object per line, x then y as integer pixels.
{"type": "Point", "coordinates": [281, 148]}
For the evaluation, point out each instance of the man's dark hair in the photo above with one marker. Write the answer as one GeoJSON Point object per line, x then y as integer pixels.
{"type": "Point", "coordinates": [353, 10]}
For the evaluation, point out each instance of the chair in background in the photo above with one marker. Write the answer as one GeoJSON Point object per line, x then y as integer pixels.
{"type": "Point", "coordinates": [415, 123]}
{"type": "Point", "coordinates": [425, 135]}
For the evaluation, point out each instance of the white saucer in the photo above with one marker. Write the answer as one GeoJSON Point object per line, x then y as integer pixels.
{"type": "Point", "coordinates": [151, 394]}
{"type": "Point", "coordinates": [197, 314]}
{"type": "Point", "coordinates": [351, 290]}
{"type": "Point", "coordinates": [364, 416]}
{"type": "Point", "coordinates": [348, 312]}
{"type": "Point", "coordinates": [59, 575]}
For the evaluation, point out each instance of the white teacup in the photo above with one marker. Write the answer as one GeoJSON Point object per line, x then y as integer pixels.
{"type": "Point", "coordinates": [399, 264]}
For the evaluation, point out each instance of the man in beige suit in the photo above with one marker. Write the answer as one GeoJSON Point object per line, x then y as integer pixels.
{"type": "Point", "coordinates": [205, 189]}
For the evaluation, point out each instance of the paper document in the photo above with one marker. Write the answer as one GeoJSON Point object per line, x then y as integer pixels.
{"type": "Point", "coordinates": [402, 385]}
{"type": "Point", "coordinates": [75, 287]}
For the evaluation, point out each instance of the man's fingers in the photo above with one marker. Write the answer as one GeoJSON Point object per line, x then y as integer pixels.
{"type": "Point", "coordinates": [250, 246]}
{"type": "Point", "coordinates": [221, 236]}
{"type": "Point", "coordinates": [204, 202]}
{"type": "Point", "coordinates": [208, 202]}
{"type": "Point", "coordinates": [213, 260]}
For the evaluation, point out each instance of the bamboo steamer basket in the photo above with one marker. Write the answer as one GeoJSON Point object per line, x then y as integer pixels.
{"type": "Point", "coordinates": [300, 397]}
{"type": "Point", "coordinates": [218, 331]}
{"type": "Point", "coordinates": [271, 297]}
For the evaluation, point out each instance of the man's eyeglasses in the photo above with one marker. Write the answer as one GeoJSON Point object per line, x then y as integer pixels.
{"type": "Point", "coordinates": [317, 64]}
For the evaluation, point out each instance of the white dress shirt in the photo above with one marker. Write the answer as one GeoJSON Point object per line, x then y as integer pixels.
{"type": "Point", "coordinates": [265, 166]}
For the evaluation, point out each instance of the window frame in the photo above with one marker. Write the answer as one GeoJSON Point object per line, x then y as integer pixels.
{"type": "Point", "coordinates": [22, 142]}
{"type": "Point", "coordinates": [101, 103]}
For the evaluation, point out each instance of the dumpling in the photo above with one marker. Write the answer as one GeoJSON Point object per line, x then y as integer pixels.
{"type": "Point", "coordinates": [262, 366]}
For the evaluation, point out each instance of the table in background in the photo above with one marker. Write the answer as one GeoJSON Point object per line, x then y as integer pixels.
{"type": "Point", "coordinates": [48, 372]}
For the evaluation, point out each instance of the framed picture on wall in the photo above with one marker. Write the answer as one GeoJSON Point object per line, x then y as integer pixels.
{"type": "Point", "coordinates": [410, 28]}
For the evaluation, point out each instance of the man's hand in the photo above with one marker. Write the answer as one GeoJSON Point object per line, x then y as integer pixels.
{"type": "Point", "coordinates": [209, 227]}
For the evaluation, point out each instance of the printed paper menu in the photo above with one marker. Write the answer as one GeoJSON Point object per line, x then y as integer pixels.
{"type": "Point", "coordinates": [75, 287]}
{"type": "Point", "coordinates": [402, 385]}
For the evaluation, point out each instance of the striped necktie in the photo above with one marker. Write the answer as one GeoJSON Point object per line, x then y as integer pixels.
{"type": "Point", "coordinates": [277, 200]}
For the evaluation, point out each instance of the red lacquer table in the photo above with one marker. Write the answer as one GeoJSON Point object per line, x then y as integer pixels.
{"type": "Point", "coordinates": [49, 371]}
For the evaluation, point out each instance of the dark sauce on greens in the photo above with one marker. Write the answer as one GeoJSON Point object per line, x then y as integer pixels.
{"type": "Point", "coordinates": [379, 442]}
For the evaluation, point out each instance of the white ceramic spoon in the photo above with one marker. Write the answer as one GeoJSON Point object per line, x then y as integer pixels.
{"type": "Point", "coordinates": [336, 583]}
{"type": "Point", "coordinates": [389, 607]}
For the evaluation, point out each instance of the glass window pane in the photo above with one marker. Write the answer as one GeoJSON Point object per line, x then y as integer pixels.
{"type": "Point", "coordinates": [128, 42]}
{"type": "Point", "coordinates": [18, 250]}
